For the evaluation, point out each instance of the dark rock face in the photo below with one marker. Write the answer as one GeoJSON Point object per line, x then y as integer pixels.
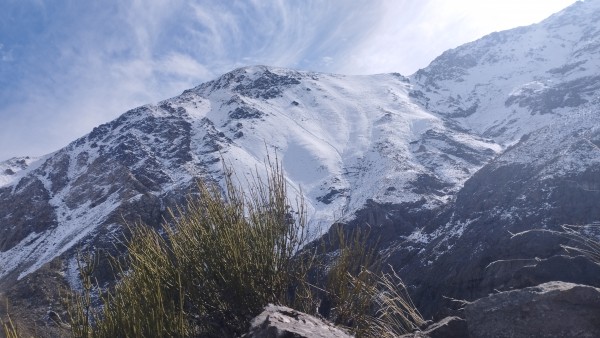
{"type": "Point", "coordinates": [283, 322]}
{"type": "Point", "coordinates": [117, 172]}
{"type": "Point", "coordinates": [28, 302]}
{"type": "Point", "coordinates": [483, 241]}
{"type": "Point", "coordinates": [38, 216]}
{"type": "Point", "coordinates": [568, 94]}
{"type": "Point", "coordinates": [552, 309]}
{"type": "Point", "coordinates": [248, 113]}
{"type": "Point", "coordinates": [267, 85]}
{"type": "Point", "coordinates": [328, 198]}
{"type": "Point", "coordinates": [450, 147]}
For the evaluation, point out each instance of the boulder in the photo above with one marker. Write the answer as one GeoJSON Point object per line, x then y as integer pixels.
{"type": "Point", "coordinates": [283, 322]}
{"type": "Point", "coordinates": [554, 309]}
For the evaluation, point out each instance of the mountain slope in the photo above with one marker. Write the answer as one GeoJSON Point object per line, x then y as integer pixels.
{"type": "Point", "coordinates": [536, 90]}
{"type": "Point", "coordinates": [512, 82]}
{"type": "Point", "coordinates": [342, 140]}
{"type": "Point", "coordinates": [489, 238]}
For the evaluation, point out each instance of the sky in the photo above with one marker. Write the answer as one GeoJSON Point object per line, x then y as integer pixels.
{"type": "Point", "coordinates": [67, 66]}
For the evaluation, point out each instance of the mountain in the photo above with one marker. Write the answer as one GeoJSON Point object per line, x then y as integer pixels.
{"type": "Point", "coordinates": [452, 167]}
{"type": "Point", "coordinates": [339, 148]}
{"type": "Point", "coordinates": [535, 91]}
{"type": "Point", "coordinates": [511, 83]}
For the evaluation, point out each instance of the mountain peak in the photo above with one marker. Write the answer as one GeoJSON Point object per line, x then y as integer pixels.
{"type": "Point", "coordinates": [253, 81]}
{"type": "Point", "coordinates": [505, 84]}
{"type": "Point", "coordinates": [579, 13]}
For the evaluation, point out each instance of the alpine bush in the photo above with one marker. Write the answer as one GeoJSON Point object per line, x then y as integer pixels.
{"type": "Point", "coordinates": [224, 257]}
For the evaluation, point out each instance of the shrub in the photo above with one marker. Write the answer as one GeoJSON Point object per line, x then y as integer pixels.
{"type": "Point", "coordinates": [370, 302]}
{"type": "Point", "coordinates": [225, 257]}
{"type": "Point", "coordinates": [221, 262]}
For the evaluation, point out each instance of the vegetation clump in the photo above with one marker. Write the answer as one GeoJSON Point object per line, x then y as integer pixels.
{"type": "Point", "coordinates": [224, 258]}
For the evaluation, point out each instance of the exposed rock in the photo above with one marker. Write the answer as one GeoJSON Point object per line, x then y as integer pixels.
{"type": "Point", "coordinates": [245, 113]}
{"type": "Point", "coordinates": [568, 94]}
{"type": "Point", "coordinates": [519, 273]}
{"type": "Point", "coordinates": [28, 302]}
{"type": "Point", "coordinates": [486, 242]}
{"type": "Point", "coordinates": [554, 309]}
{"type": "Point", "coordinates": [283, 322]}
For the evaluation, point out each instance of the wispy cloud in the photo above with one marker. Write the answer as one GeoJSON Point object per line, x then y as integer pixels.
{"type": "Point", "coordinates": [73, 65]}
{"type": "Point", "coordinates": [94, 63]}
{"type": "Point", "coordinates": [410, 34]}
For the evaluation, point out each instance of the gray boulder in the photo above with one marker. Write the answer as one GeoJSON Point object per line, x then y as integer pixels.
{"type": "Point", "coordinates": [554, 309]}
{"type": "Point", "coordinates": [283, 322]}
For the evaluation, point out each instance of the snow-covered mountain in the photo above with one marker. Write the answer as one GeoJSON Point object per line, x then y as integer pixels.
{"type": "Point", "coordinates": [450, 165]}
{"type": "Point", "coordinates": [342, 140]}
{"type": "Point", "coordinates": [510, 83]}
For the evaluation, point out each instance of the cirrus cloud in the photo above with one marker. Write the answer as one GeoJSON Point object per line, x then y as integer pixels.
{"type": "Point", "coordinates": [70, 65]}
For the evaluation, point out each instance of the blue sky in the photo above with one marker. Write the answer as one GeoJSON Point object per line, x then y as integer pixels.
{"type": "Point", "coordinates": [68, 65]}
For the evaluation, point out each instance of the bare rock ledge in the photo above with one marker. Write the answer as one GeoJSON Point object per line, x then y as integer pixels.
{"type": "Point", "coordinates": [283, 322]}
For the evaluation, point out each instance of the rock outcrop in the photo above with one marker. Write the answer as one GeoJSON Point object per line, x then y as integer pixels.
{"type": "Point", "coordinates": [283, 322]}
{"type": "Point", "coordinates": [554, 309]}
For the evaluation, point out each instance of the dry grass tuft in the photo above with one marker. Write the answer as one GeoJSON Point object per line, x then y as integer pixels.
{"type": "Point", "coordinates": [10, 330]}
{"type": "Point", "coordinates": [228, 255]}
{"type": "Point", "coordinates": [223, 260]}
{"type": "Point", "coordinates": [368, 301]}
{"type": "Point", "coordinates": [585, 238]}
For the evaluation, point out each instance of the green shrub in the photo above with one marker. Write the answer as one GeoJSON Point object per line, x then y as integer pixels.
{"type": "Point", "coordinates": [221, 262]}
{"type": "Point", "coordinates": [223, 259]}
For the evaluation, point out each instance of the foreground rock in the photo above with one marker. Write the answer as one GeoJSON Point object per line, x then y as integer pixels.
{"type": "Point", "coordinates": [554, 309]}
{"type": "Point", "coordinates": [283, 322]}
